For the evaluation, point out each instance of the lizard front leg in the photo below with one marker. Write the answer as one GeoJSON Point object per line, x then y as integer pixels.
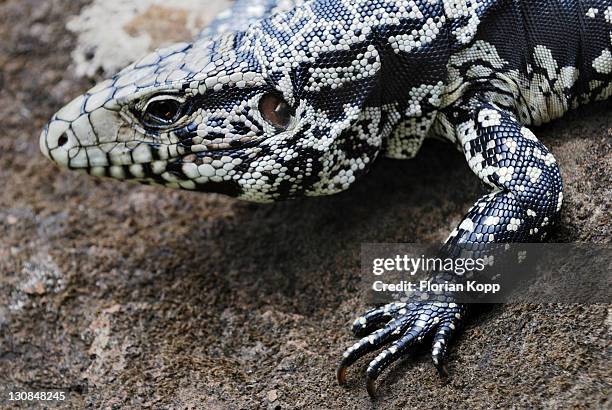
{"type": "Point", "coordinates": [526, 198]}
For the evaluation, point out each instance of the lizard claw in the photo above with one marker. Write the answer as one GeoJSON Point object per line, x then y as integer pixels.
{"type": "Point", "coordinates": [371, 386]}
{"type": "Point", "coordinates": [406, 325]}
{"type": "Point", "coordinates": [442, 337]}
{"type": "Point", "coordinates": [341, 374]}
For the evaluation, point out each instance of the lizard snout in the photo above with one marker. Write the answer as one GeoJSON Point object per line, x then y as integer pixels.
{"type": "Point", "coordinates": [59, 141]}
{"type": "Point", "coordinates": [84, 134]}
{"type": "Point", "coordinates": [56, 142]}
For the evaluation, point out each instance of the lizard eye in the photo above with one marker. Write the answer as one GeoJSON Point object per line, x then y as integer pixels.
{"type": "Point", "coordinates": [162, 111]}
{"type": "Point", "coordinates": [276, 111]}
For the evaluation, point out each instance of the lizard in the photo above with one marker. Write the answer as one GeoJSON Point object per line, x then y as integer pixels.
{"type": "Point", "coordinates": [279, 99]}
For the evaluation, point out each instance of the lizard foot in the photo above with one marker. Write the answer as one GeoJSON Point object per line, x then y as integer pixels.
{"type": "Point", "coordinates": [402, 325]}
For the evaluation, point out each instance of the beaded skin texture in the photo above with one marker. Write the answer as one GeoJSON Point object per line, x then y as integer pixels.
{"type": "Point", "coordinates": [349, 81]}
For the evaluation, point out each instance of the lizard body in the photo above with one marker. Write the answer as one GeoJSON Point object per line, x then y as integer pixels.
{"type": "Point", "coordinates": [276, 100]}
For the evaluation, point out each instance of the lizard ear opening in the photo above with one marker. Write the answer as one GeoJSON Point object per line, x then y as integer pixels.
{"type": "Point", "coordinates": [276, 111]}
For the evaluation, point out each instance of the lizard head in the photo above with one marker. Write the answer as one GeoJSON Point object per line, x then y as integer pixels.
{"type": "Point", "coordinates": [242, 115]}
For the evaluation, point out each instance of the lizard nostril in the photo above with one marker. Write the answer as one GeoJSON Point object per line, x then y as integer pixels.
{"type": "Point", "coordinates": [63, 140]}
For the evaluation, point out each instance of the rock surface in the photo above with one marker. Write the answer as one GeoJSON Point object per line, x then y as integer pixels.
{"type": "Point", "coordinates": [114, 33]}
{"type": "Point", "coordinates": [131, 296]}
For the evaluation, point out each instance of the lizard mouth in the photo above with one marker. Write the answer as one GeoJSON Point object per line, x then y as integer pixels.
{"type": "Point", "coordinates": [60, 143]}
{"type": "Point", "coordinates": [201, 167]}
{"type": "Point", "coordinates": [226, 144]}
